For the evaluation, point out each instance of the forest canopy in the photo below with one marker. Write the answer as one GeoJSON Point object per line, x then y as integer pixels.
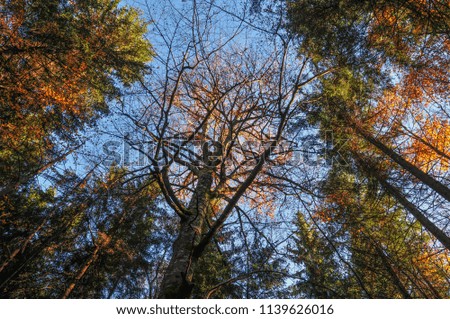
{"type": "Point", "coordinates": [224, 149]}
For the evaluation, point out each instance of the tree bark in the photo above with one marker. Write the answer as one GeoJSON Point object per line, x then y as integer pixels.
{"type": "Point", "coordinates": [22, 247]}
{"type": "Point", "coordinates": [425, 178]}
{"type": "Point", "coordinates": [440, 235]}
{"type": "Point", "coordinates": [20, 261]}
{"type": "Point", "coordinates": [391, 271]}
{"type": "Point", "coordinates": [177, 281]}
{"type": "Point", "coordinates": [413, 210]}
{"type": "Point", "coordinates": [81, 272]}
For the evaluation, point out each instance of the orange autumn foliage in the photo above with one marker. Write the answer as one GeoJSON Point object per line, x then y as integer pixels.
{"type": "Point", "coordinates": [60, 62]}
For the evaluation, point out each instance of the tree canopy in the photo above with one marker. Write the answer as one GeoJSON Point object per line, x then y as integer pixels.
{"type": "Point", "coordinates": [224, 149]}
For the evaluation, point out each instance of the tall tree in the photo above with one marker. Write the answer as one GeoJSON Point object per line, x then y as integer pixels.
{"type": "Point", "coordinates": [60, 61]}
{"type": "Point", "coordinates": [96, 242]}
{"type": "Point", "coordinates": [216, 115]}
{"type": "Point", "coordinates": [387, 96]}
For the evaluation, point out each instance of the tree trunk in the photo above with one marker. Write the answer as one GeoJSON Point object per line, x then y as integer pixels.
{"type": "Point", "coordinates": [177, 281]}
{"type": "Point", "coordinates": [440, 235]}
{"type": "Point", "coordinates": [413, 210]}
{"type": "Point", "coordinates": [391, 271]}
{"type": "Point", "coordinates": [81, 272]}
{"type": "Point", "coordinates": [425, 178]}
{"type": "Point", "coordinates": [22, 247]}
{"type": "Point", "coordinates": [20, 261]}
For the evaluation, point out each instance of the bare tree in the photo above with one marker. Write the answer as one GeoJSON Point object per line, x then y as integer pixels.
{"type": "Point", "coordinates": [215, 112]}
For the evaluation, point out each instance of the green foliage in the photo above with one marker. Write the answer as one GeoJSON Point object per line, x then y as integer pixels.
{"type": "Point", "coordinates": [60, 64]}
{"type": "Point", "coordinates": [247, 270]}
{"type": "Point", "coordinates": [319, 275]}
{"type": "Point", "coordinates": [375, 241]}
{"type": "Point", "coordinates": [98, 238]}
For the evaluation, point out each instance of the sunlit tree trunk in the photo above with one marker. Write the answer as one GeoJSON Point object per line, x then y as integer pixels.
{"type": "Point", "coordinates": [409, 206]}
{"type": "Point", "coordinates": [177, 280]}
{"type": "Point", "coordinates": [81, 272]}
{"type": "Point", "coordinates": [425, 178]}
